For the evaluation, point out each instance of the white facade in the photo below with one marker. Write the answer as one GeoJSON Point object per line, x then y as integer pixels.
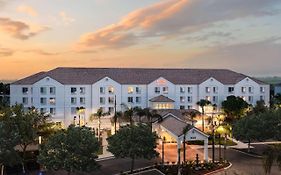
{"type": "Point", "coordinates": [61, 100]}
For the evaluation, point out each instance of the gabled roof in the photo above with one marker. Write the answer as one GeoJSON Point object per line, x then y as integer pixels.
{"type": "Point", "coordinates": [68, 75]}
{"type": "Point", "coordinates": [161, 98]}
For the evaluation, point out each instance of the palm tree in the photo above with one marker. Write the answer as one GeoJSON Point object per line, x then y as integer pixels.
{"type": "Point", "coordinates": [150, 115]}
{"type": "Point", "coordinates": [115, 117]}
{"type": "Point", "coordinates": [100, 113]}
{"type": "Point", "coordinates": [184, 131]}
{"type": "Point", "coordinates": [273, 154]}
{"type": "Point", "coordinates": [202, 103]}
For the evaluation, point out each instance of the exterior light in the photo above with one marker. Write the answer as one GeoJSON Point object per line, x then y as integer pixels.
{"type": "Point", "coordinates": [40, 140]}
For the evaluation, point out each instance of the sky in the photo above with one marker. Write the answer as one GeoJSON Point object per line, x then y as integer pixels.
{"type": "Point", "coordinates": [39, 35]}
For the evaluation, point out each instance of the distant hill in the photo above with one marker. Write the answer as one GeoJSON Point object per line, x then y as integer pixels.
{"type": "Point", "coordinates": [270, 80]}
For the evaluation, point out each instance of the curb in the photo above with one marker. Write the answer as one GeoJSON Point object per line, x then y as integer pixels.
{"type": "Point", "coordinates": [219, 170]}
{"type": "Point", "coordinates": [248, 154]}
{"type": "Point", "coordinates": [105, 158]}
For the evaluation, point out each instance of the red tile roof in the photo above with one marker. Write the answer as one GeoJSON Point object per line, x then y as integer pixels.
{"type": "Point", "coordinates": [67, 75]}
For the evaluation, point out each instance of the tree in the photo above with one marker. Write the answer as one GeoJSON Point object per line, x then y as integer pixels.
{"type": "Point", "coordinates": [8, 139]}
{"type": "Point", "coordinates": [29, 126]}
{"type": "Point", "coordinates": [100, 113]}
{"type": "Point", "coordinates": [202, 103]}
{"type": "Point", "coordinates": [116, 116]}
{"type": "Point", "coordinates": [136, 141]}
{"type": "Point", "coordinates": [129, 113]}
{"type": "Point", "coordinates": [72, 150]}
{"type": "Point", "coordinates": [259, 108]}
{"type": "Point", "coordinates": [4, 92]}
{"type": "Point", "coordinates": [271, 155]}
{"type": "Point", "coordinates": [276, 101]}
{"type": "Point", "coordinates": [234, 108]}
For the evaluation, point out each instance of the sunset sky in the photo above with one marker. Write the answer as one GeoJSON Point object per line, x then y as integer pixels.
{"type": "Point", "coordinates": [39, 35]}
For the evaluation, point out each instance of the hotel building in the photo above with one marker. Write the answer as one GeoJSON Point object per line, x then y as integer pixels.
{"type": "Point", "coordinates": [60, 91]}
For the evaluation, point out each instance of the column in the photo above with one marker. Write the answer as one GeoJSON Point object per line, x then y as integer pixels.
{"type": "Point", "coordinates": [206, 150]}
{"type": "Point", "coordinates": [178, 150]}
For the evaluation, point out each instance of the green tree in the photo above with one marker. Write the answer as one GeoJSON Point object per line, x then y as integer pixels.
{"type": "Point", "coordinates": [271, 155]}
{"type": "Point", "coordinates": [136, 141]}
{"type": "Point", "coordinates": [259, 108]}
{"type": "Point", "coordinates": [29, 126]}
{"type": "Point", "coordinates": [203, 103]}
{"type": "Point", "coordinates": [99, 114]}
{"type": "Point", "coordinates": [234, 108]}
{"type": "Point", "coordinates": [276, 101]}
{"type": "Point", "coordinates": [72, 150]}
{"type": "Point", "coordinates": [4, 92]}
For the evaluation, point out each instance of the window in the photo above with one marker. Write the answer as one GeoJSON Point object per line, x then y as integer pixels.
{"type": "Point", "coordinates": [110, 100]}
{"type": "Point", "coordinates": [31, 100]}
{"type": "Point", "coordinates": [250, 99]}
{"type": "Point", "coordinates": [53, 111]}
{"type": "Point", "coordinates": [130, 100]}
{"type": "Point", "coordinates": [182, 99]}
{"type": "Point", "coordinates": [243, 89]}
{"type": "Point", "coordinates": [208, 89]}
{"type": "Point", "coordinates": [138, 90]}
{"type": "Point", "coordinates": [215, 89]}
{"type": "Point", "coordinates": [208, 98]}
{"type": "Point", "coordinates": [73, 90]}
{"type": "Point", "coordinates": [52, 101]}
{"type": "Point", "coordinates": [182, 90]}
{"type": "Point", "coordinates": [102, 100]}
{"type": "Point", "coordinates": [244, 98]}
{"type": "Point", "coordinates": [73, 100]}
{"type": "Point", "coordinates": [165, 90]}
{"type": "Point", "coordinates": [130, 90]}
{"type": "Point", "coordinates": [110, 89]}
{"type": "Point", "coordinates": [43, 110]}
{"type": "Point", "coordinates": [43, 101]}
{"type": "Point", "coordinates": [262, 89]}
{"type": "Point", "coordinates": [138, 99]}
{"type": "Point", "coordinates": [73, 110]}
{"type": "Point", "coordinates": [82, 100]}
{"type": "Point", "coordinates": [157, 90]}
{"type": "Point", "coordinates": [230, 89]}
{"type": "Point", "coordinates": [250, 89]}
{"type": "Point", "coordinates": [189, 107]}
{"type": "Point", "coordinates": [111, 110]}
{"type": "Point", "coordinates": [189, 99]}
{"type": "Point", "coordinates": [43, 90]}
{"type": "Point", "coordinates": [25, 90]}
{"type": "Point", "coordinates": [189, 90]}
{"type": "Point", "coordinates": [53, 90]}
{"type": "Point", "coordinates": [82, 90]}
{"type": "Point", "coordinates": [182, 107]}
{"type": "Point", "coordinates": [31, 90]}
{"type": "Point", "coordinates": [262, 97]}
{"type": "Point", "coordinates": [215, 99]}
{"type": "Point", "coordinates": [25, 100]}
{"type": "Point", "coordinates": [102, 90]}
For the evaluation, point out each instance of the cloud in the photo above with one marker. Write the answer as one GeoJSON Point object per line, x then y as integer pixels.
{"type": "Point", "coordinates": [27, 10]}
{"type": "Point", "coordinates": [174, 18]}
{"type": "Point", "coordinates": [4, 52]}
{"type": "Point", "coordinates": [65, 18]}
{"type": "Point", "coordinates": [20, 30]}
{"type": "Point", "coordinates": [42, 52]}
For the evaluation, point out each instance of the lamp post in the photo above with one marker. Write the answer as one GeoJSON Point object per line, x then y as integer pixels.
{"type": "Point", "coordinates": [221, 130]}
{"type": "Point", "coordinates": [213, 134]}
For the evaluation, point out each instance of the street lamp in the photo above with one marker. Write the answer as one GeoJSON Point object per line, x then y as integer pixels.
{"type": "Point", "coordinates": [213, 134]}
{"type": "Point", "coordinates": [221, 130]}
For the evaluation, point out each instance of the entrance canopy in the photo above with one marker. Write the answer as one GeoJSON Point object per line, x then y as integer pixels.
{"type": "Point", "coordinates": [161, 102]}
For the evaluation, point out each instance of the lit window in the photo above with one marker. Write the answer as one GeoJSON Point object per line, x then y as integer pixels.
{"type": "Point", "coordinates": [52, 90]}
{"type": "Point", "coordinates": [73, 100]}
{"type": "Point", "coordinates": [130, 100]}
{"type": "Point", "coordinates": [102, 100]}
{"type": "Point", "coordinates": [25, 100]}
{"type": "Point", "coordinates": [110, 89]}
{"type": "Point", "coordinates": [82, 90]}
{"type": "Point", "coordinates": [102, 90]}
{"type": "Point", "coordinates": [208, 89]}
{"type": "Point", "coordinates": [165, 90]}
{"type": "Point", "coordinates": [130, 90]}
{"type": "Point", "coordinates": [43, 90]}
{"type": "Point", "coordinates": [25, 90]}
{"type": "Point", "coordinates": [138, 90]}
{"type": "Point", "coordinates": [208, 98]}
{"type": "Point", "coordinates": [182, 99]}
{"type": "Point", "coordinates": [82, 100]}
{"type": "Point", "coordinates": [52, 101]}
{"type": "Point", "coordinates": [43, 101]}
{"type": "Point", "coordinates": [244, 98]}
{"type": "Point", "coordinates": [182, 90]}
{"type": "Point", "coordinates": [262, 89]}
{"type": "Point", "coordinates": [138, 99]}
{"type": "Point", "coordinates": [157, 90]}
{"type": "Point", "coordinates": [73, 90]}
